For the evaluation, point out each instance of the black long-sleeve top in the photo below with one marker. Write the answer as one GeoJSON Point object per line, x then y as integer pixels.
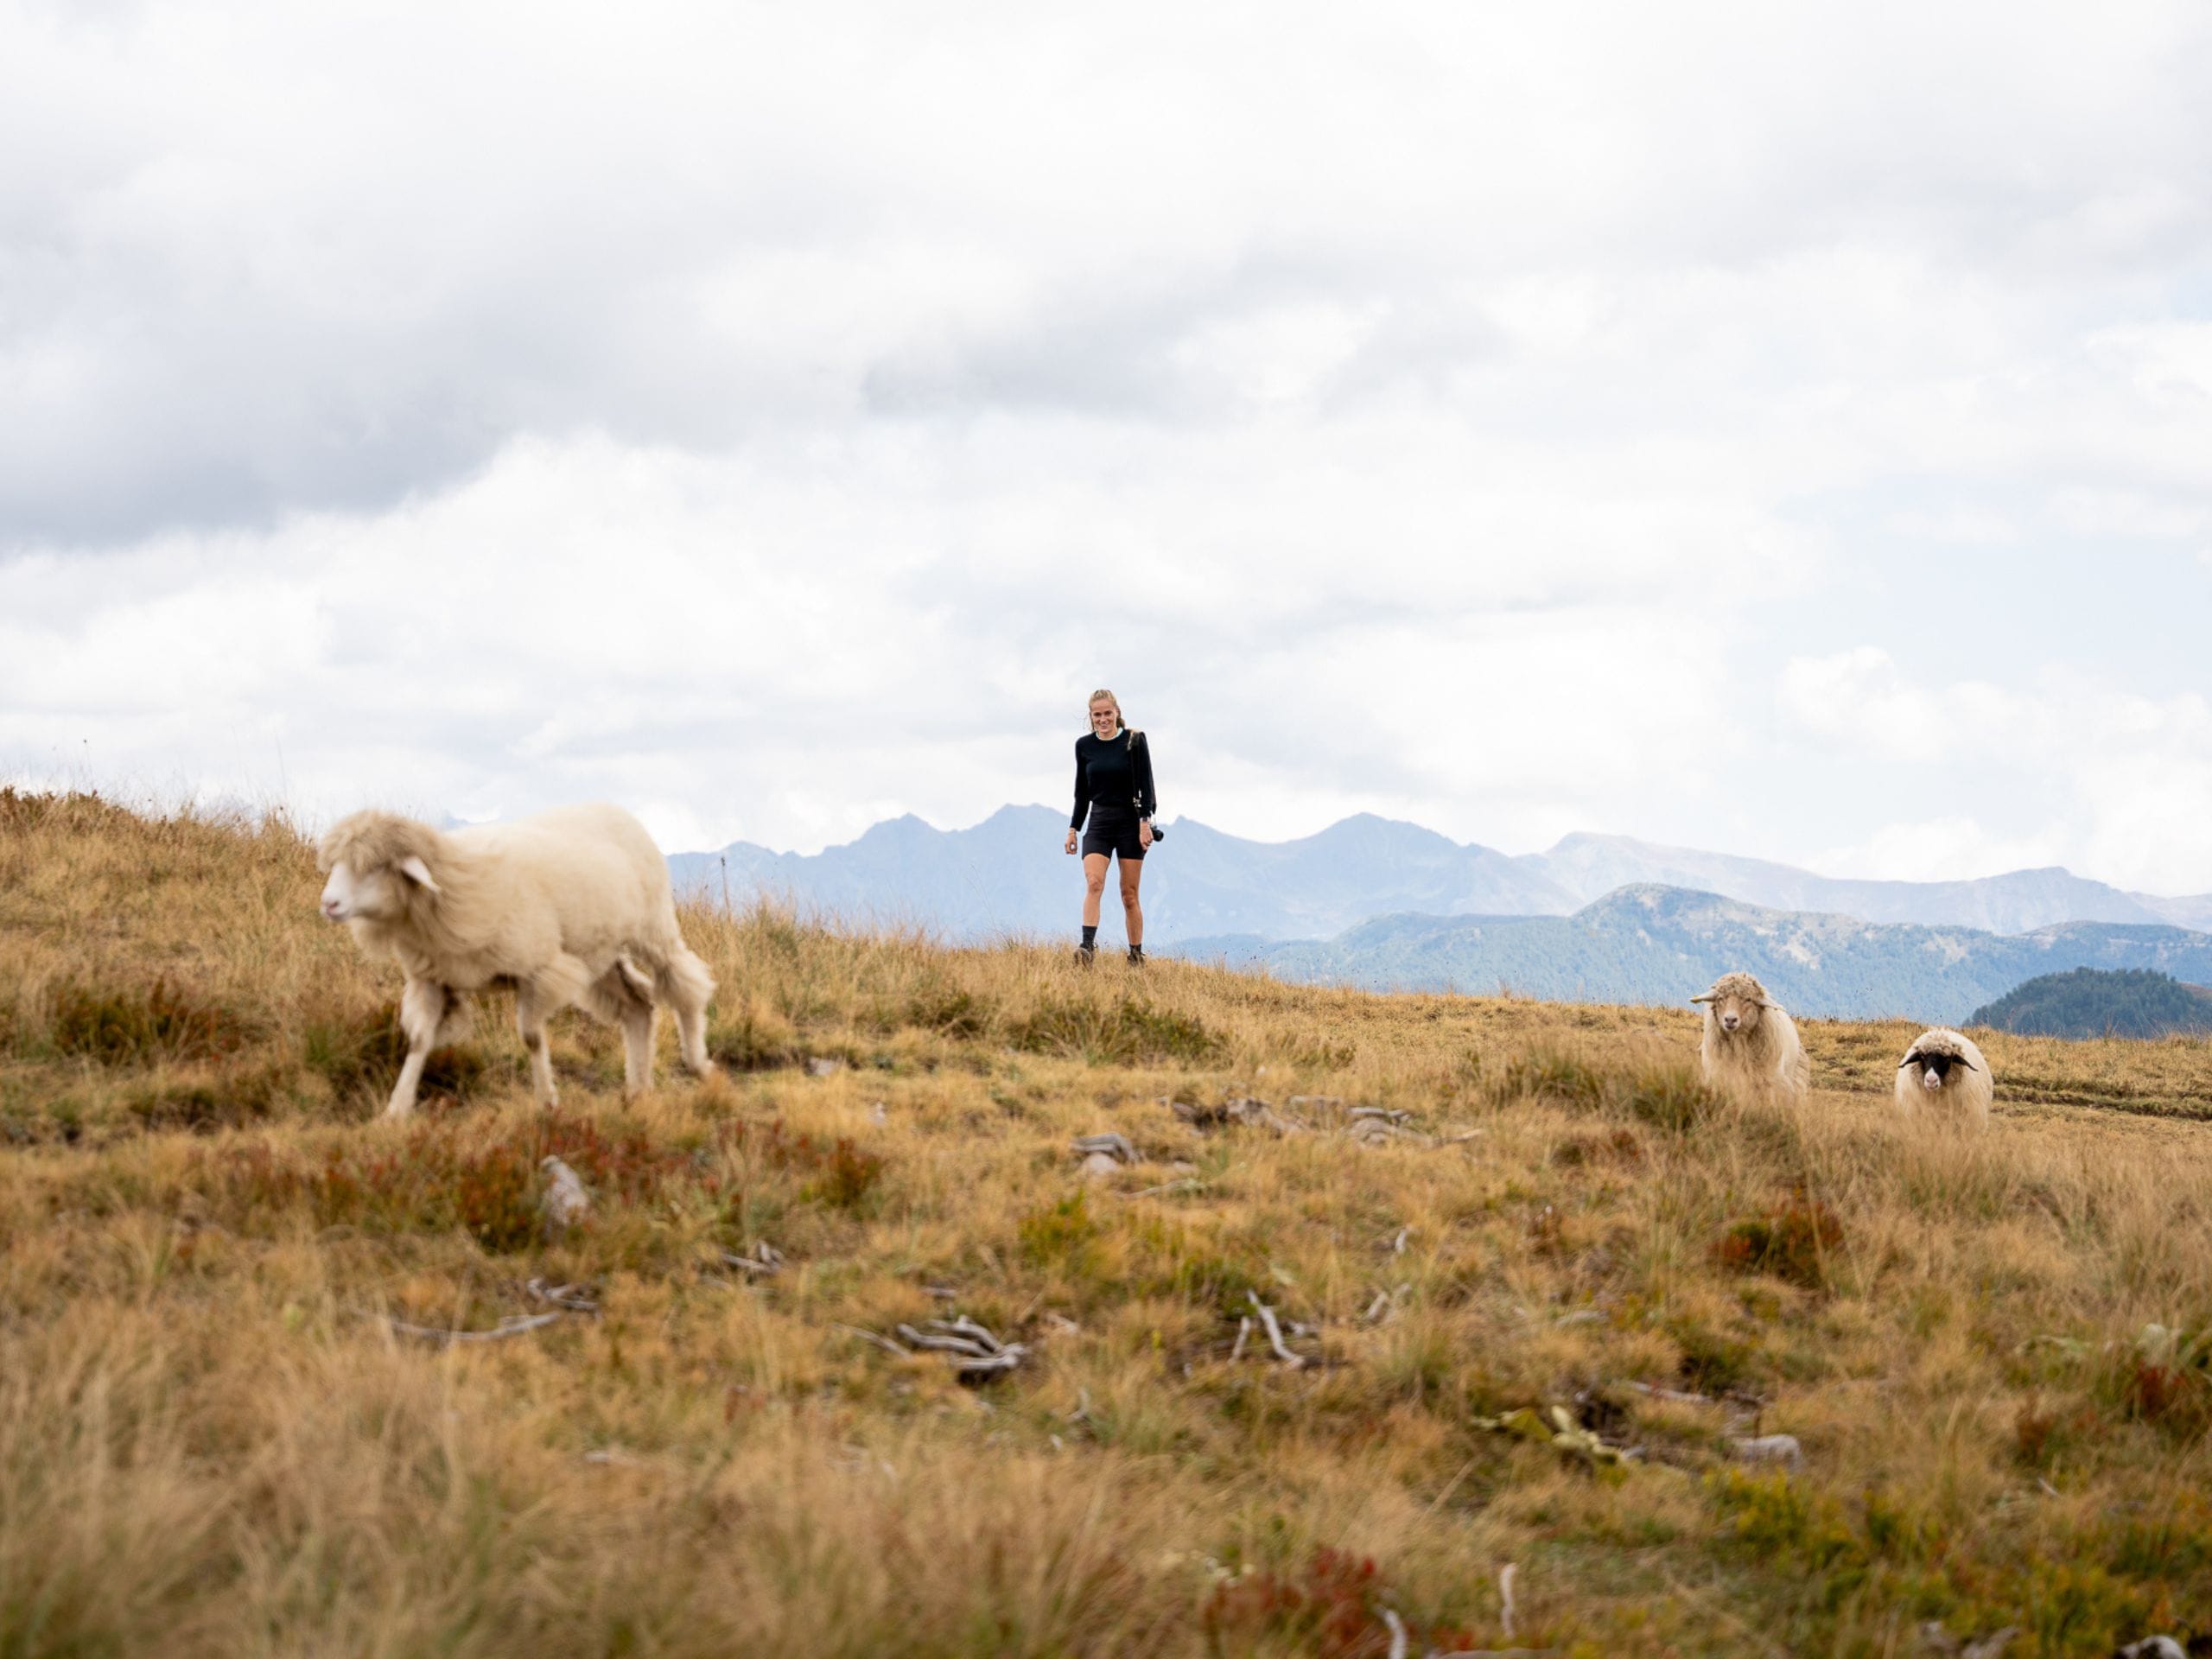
{"type": "Point", "coordinates": [1114, 772]}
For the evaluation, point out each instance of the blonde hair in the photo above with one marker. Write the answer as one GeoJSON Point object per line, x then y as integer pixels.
{"type": "Point", "coordinates": [1102, 694]}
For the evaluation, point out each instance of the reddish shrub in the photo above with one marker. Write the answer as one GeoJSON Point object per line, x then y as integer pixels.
{"type": "Point", "coordinates": [1334, 1610]}
{"type": "Point", "coordinates": [1793, 1241]}
{"type": "Point", "coordinates": [2177, 1400]}
{"type": "Point", "coordinates": [138, 1025]}
{"type": "Point", "coordinates": [2039, 1434]}
{"type": "Point", "coordinates": [841, 1172]}
{"type": "Point", "coordinates": [435, 1184]}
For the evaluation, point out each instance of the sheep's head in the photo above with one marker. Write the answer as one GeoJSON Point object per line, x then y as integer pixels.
{"type": "Point", "coordinates": [1935, 1052]}
{"type": "Point", "coordinates": [379, 865]}
{"type": "Point", "coordinates": [1737, 1001]}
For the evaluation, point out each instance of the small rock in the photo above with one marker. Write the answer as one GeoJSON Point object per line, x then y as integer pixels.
{"type": "Point", "coordinates": [1112, 1145]}
{"type": "Point", "coordinates": [877, 1115]}
{"type": "Point", "coordinates": [1099, 1165]}
{"type": "Point", "coordinates": [2154, 1647]}
{"type": "Point", "coordinates": [823, 1066]}
{"type": "Point", "coordinates": [1768, 1448]}
{"type": "Point", "coordinates": [565, 1202]}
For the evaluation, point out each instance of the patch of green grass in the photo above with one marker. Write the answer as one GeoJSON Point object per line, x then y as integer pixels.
{"type": "Point", "coordinates": [1798, 1240]}
{"type": "Point", "coordinates": [1063, 1232]}
{"type": "Point", "coordinates": [1128, 1032]}
{"type": "Point", "coordinates": [140, 1025]}
{"type": "Point", "coordinates": [1669, 1097]}
{"type": "Point", "coordinates": [364, 1053]}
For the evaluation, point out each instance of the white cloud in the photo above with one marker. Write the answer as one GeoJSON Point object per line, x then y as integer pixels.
{"type": "Point", "coordinates": [784, 648]}
{"type": "Point", "coordinates": [2118, 785]}
{"type": "Point", "coordinates": [1860, 699]}
{"type": "Point", "coordinates": [2128, 515]}
{"type": "Point", "coordinates": [1956, 848]}
{"type": "Point", "coordinates": [776, 417]}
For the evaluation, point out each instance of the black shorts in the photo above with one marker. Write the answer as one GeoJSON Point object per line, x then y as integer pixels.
{"type": "Point", "coordinates": [1114, 833]}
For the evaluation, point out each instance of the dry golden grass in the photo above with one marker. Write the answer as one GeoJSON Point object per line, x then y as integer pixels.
{"type": "Point", "coordinates": [211, 1441]}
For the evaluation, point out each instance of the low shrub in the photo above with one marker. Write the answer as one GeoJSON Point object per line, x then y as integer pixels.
{"type": "Point", "coordinates": [752, 1038]}
{"type": "Point", "coordinates": [364, 1052]}
{"type": "Point", "coordinates": [840, 1172]}
{"type": "Point", "coordinates": [1334, 1609]}
{"type": "Point", "coordinates": [435, 1182]}
{"type": "Point", "coordinates": [1664, 1094]}
{"type": "Point", "coordinates": [141, 1025]}
{"type": "Point", "coordinates": [948, 1011]}
{"type": "Point", "coordinates": [2176, 1398]}
{"type": "Point", "coordinates": [1064, 1233]}
{"type": "Point", "coordinates": [1796, 1240]}
{"type": "Point", "coordinates": [2042, 1435]}
{"type": "Point", "coordinates": [230, 1100]}
{"type": "Point", "coordinates": [1131, 1031]}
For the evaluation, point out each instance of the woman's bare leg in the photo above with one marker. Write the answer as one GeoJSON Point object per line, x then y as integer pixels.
{"type": "Point", "coordinates": [1132, 913]}
{"type": "Point", "coordinates": [1094, 884]}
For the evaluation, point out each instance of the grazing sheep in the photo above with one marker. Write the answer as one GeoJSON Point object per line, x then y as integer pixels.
{"type": "Point", "coordinates": [571, 905]}
{"type": "Point", "coordinates": [1751, 1042]}
{"type": "Point", "coordinates": [1945, 1071]}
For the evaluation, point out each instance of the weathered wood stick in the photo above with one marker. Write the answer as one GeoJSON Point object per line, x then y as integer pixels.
{"type": "Point", "coordinates": [1274, 1331]}
{"type": "Point", "coordinates": [508, 1327]}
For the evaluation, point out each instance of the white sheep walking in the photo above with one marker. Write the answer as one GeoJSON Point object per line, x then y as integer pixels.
{"type": "Point", "coordinates": [1944, 1070]}
{"type": "Point", "coordinates": [1751, 1042]}
{"type": "Point", "coordinates": [570, 906]}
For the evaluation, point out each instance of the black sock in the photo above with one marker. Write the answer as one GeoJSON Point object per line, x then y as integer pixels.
{"type": "Point", "coordinates": [1090, 934]}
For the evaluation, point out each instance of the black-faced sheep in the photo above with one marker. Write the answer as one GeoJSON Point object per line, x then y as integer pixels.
{"type": "Point", "coordinates": [1751, 1042]}
{"type": "Point", "coordinates": [1944, 1071]}
{"type": "Point", "coordinates": [570, 907]}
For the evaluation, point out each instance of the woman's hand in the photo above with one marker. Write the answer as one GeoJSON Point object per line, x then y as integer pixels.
{"type": "Point", "coordinates": [1144, 833]}
{"type": "Point", "coordinates": [1071, 846]}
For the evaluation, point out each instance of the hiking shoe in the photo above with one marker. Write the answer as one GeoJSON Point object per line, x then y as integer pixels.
{"type": "Point", "coordinates": [1136, 954]}
{"type": "Point", "coordinates": [1085, 955]}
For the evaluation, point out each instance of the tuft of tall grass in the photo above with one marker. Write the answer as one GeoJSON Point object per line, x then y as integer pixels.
{"type": "Point", "coordinates": [1666, 1094]}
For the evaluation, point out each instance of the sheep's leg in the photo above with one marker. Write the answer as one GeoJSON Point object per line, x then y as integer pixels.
{"type": "Point", "coordinates": [624, 993]}
{"type": "Point", "coordinates": [691, 1040]}
{"type": "Point", "coordinates": [422, 1007]}
{"type": "Point", "coordinates": [531, 1013]}
{"type": "Point", "coordinates": [639, 1020]}
{"type": "Point", "coordinates": [689, 987]}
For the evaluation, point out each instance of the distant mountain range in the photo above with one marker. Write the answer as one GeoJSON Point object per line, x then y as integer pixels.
{"type": "Point", "coordinates": [2021, 901]}
{"type": "Point", "coordinates": [1007, 874]}
{"type": "Point", "coordinates": [1389, 905]}
{"type": "Point", "coordinates": [1649, 944]}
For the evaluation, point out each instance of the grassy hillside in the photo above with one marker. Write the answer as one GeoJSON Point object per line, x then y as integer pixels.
{"type": "Point", "coordinates": [215, 1440]}
{"type": "Point", "coordinates": [2089, 1002]}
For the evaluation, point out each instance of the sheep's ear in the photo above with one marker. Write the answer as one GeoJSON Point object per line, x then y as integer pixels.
{"type": "Point", "coordinates": [1961, 1059]}
{"type": "Point", "coordinates": [1909, 1060]}
{"type": "Point", "coordinates": [1708, 997]}
{"type": "Point", "coordinates": [416, 871]}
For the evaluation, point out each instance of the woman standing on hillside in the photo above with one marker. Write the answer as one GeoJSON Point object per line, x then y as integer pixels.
{"type": "Point", "coordinates": [1113, 784]}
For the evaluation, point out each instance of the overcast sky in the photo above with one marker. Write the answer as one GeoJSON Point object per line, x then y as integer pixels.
{"type": "Point", "coordinates": [1780, 429]}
